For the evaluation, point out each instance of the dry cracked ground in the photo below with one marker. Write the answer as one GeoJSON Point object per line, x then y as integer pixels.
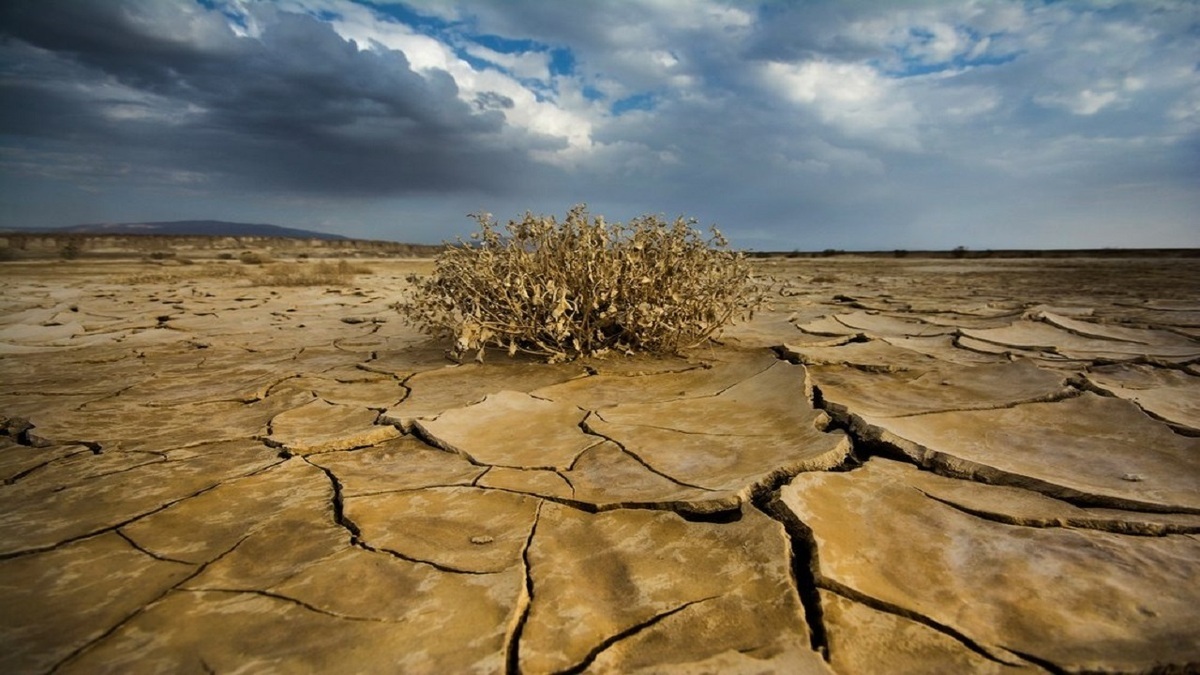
{"type": "Point", "coordinates": [904, 466]}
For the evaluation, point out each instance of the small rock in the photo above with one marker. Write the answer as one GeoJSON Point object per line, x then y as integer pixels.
{"type": "Point", "coordinates": [14, 426]}
{"type": "Point", "coordinates": [1133, 477]}
{"type": "Point", "coordinates": [481, 539]}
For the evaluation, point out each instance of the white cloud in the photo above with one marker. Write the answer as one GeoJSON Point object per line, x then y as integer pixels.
{"type": "Point", "coordinates": [368, 31]}
{"type": "Point", "coordinates": [1187, 109]}
{"type": "Point", "coordinates": [240, 17]}
{"type": "Point", "coordinates": [1083, 102]}
{"type": "Point", "coordinates": [939, 42]}
{"type": "Point", "coordinates": [646, 18]}
{"type": "Point", "coordinates": [822, 82]}
{"type": "Point", "coordinates": [950, 36]}
{"type": "Point", "coordinates": [851, 97]}
{"type": "Point", "coordinates": [961, 104]}
{"type": "Point", "coordinates": [530, 65]}
{"type": "Point", "coordinates": [529, 113]}
{"type": "Point", "coordinates": [1092, 62]}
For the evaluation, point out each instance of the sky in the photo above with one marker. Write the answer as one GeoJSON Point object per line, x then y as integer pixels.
{"type": "Point", "coordinates": [806, 125]}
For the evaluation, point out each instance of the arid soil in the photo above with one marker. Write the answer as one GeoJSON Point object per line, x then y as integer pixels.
{"type": "Point", "coordinates": [902, 466]}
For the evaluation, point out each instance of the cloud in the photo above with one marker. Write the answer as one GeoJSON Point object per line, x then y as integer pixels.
{"type": "Point", "coordinates": [295, 108]}
{"type": "Point", "coordinates": [853, 98]}
{"type": "Point", "coordinates": [820, 124]}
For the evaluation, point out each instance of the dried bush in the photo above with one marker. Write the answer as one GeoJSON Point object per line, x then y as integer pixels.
{"type": "Point", "coordinates": [176, 274]}
{"type": "Point", "coordinates": [310, 274]}
{"type": "Point", "coordinates": [582, 287]}
{"type": "Point", "coordinates": [323, 273]}
{"type": "Point", "coordinates": [253, 258]}
{"type": "Point", "coordinates": [70, 250]}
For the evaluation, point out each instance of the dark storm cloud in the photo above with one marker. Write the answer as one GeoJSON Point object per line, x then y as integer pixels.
{"type": "Point", "coordinates": [301, 108]}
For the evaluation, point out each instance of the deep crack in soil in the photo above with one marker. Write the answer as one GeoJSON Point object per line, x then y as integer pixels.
{"type": "Point", "coordinates": [804, 564]}
{"type": "Point", "coordinates": [512, 640]}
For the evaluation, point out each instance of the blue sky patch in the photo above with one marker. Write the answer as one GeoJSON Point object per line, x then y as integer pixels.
{"type": "Point", "coordinates": [912, 63]}
{"type": "Point", "coordinates": [505, 45]}
{"type": "Point", "coordinates": [235, 17]}
{"type": "Point", "coordinates": [562, 62]}
{"type": "Point", "coordinates": [635, 102]}
{"type": "Point", "coordinates": [430, 25]}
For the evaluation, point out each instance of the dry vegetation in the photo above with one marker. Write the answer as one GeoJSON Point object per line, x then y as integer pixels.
{"type": "Point", "coordinates": [582, 287]}
{"type": "Point", "coordinates": [263, 272]}
{"type": "Point", "coordinates": [322, 273]}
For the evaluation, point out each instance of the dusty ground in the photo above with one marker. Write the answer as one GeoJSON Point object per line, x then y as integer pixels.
{"type": "Point", "coordinates": [905, 466]}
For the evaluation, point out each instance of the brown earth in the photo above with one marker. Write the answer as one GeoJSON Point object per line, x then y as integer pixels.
{"type": "Point", "coordinates": [903, 466]}
{"type": "Point", "coordinates": [32, 246]}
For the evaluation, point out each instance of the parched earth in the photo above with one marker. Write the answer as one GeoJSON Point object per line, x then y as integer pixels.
{"type": "Point", "coordinates": [903, 466]}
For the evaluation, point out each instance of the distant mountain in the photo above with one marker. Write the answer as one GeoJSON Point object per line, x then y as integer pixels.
{"type": "Point", "coordinates": [193, 228]}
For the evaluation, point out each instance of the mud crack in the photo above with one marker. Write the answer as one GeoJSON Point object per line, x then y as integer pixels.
{"type": "Point", "coordinates": [633, 630]}
{"type": "Point", "coordinates": [587, 429]}
{"type": "Point", "coordinates": [339, 504]}
{"type": "Point", "coordinates": [805, 566]}
{"type": "Point", "coordinates": [512, 640]}
{"type": "Point", "coordinates": [134, 614]}
{"type": "Point", "coordinates": [1110, 525]}
{"type": "Point", "coordinates": [875, 441]}
{"type": "Point", "coordinates": [294, 601]}
{"type": "Point", "coordinates": [897, 610]}
{"type": "Point", "coordinates": [117, 526]}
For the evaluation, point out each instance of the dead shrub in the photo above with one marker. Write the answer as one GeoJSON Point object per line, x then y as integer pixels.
{"type": "Point", "coordinates": [310, 274]}
{"type": "Point", "coordinates": [253, 258]}
{"type": "Point", "coordinates": [175, 275]}
{"type": "Point", "coordinates": [582, 287]}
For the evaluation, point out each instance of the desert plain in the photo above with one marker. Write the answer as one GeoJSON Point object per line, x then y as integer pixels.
{"type": "Point", "coordinates": [903, 465]}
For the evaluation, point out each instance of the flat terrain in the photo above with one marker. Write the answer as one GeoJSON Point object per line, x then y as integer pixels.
{"type": "Point", "coordinates": [904, 465]}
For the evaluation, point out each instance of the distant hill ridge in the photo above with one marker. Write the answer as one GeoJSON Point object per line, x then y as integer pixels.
{"type": "Point", "coordinates": [195, 228]}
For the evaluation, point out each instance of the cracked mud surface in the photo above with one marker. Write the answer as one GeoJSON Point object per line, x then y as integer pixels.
{"type": "Point", "coordinates": [903, 466]}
